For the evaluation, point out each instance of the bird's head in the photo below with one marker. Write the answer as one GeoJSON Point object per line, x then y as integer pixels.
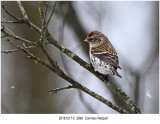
{"type": "Point", "coordinates": [95, 37]}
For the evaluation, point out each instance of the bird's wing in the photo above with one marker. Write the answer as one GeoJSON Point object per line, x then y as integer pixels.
{"type": "Point", "coordinates": [107, 57]}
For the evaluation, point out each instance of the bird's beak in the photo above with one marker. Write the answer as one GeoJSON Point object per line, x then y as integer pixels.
{"type": "Point", "coordinates": [86, 40]}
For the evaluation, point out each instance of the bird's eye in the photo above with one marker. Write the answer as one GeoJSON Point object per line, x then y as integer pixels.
{"type": "Point", "coordinates": [90, 38]}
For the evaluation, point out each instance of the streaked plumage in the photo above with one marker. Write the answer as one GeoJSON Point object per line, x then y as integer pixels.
{"type": "Point", "coordinates": [103, 55]}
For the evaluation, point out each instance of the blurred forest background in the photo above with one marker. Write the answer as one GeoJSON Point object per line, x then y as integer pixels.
{"type": "Point", "coordinates": [133, 29]}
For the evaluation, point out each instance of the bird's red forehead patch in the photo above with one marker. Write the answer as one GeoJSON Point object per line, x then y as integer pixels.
{"type": "Point", "coordinates": [90, 34]}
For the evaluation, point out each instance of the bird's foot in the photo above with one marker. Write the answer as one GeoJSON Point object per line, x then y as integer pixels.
{"type": "Point", "coordinates": [91, 66]}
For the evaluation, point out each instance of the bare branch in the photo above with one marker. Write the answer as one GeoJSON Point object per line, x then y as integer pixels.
{"type": "Point", "coordinates": [9, 51]}
{"type": "Point", "coordinates": [41, 12]}
{"type": "Point", "coordinates": [54, 6]}
{"type": "Point", "coordinates": [87, 66]}
{"type": "Point", "coordinates": [54, 65]}
{"type": "Point", "coordinates": [31, 56]}
{"type": "Point", "coordinates": [79, 86]}
{"type": "Point", "coordinates": [70, 80]}
{"type": "Point", "coordinates": [22, 10]}
{"type": "Point", "coordinates": [15, 50]}
{"type": "Point", "coordinates": [45, 14]}
{"type": "Point", "coordinates": [10, 14]}
{"type": "Point", "coordinates": [58, 89]}
{"type": "Point", "coordinates": [43, 23]}
{"type": "Point", "coordinates": [27, 22]}
{"type": "Point", "coordinates": [12, 22]}
{"type": "Point", "coordinates": [32, 26]}
{"type": "Point", "coordinates": [11, 34]}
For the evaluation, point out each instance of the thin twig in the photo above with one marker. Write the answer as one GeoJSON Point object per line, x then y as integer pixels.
{"type": "Point", "coordinates": [52, 62]}
{"type": "Point", "coordinates": [41, 12]}
{"type": "Point", "coordinates": [45, 14]}
{"type": "Point", "coordinates": [7, 32]}
{"type": "Point", "coordinates": [58, 89]}
{"type": "Point", "coordinates": [12, 22]}
{"type": "Point", "coordinates": [27, 22]}
{"type": "Point", "coordinates": [31, 56]}
{"type": "Point", "coordinates": [22, 10]}
{"type": "Point", "coordinates": [32, 26]}
{"type": "Point", "coordinates": [9, 51]}
{"type": "Point", "coordinates": [10, 14]}
{"type": "Point", "coordinates": [15, 50]}
{"type": "Point", "coordinates": [50, 16]}
{"type": "Point", "coordinates": [43, 24]}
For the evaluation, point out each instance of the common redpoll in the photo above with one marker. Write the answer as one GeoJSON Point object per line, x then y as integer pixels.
{"type": "Point", "coordinates": [103, 55]}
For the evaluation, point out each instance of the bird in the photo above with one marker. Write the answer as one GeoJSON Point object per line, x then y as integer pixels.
{"type": "Point", "coordinates": [103, 56]}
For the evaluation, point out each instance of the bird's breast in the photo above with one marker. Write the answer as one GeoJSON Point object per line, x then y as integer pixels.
{"type": "Point", "coordinates": [99, 65]}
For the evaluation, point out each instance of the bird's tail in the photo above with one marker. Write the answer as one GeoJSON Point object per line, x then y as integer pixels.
{"type": "Point", "coordinates": [117, 74]}
{"type": "Point", "coordinates": [114, 72]}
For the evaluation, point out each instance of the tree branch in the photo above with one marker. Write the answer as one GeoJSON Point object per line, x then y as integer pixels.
{"type": "Point", "coordinates": [70, 80]}
{"type": "Point", "coordinates": [22, 10]}
{"type": "Point", "coordinates": [15, 50]}
{"type": "Point", "coordinates": [45, 14]}
{"type": "Point", "coordinates": [10, 14]}
{"type": "Point", "coordinates": [27, 22]}
{"type": "Point", "coordinates": [7, 32]}
{"type": "Point", "coordinates": [31, 56]}
{"type": "Point", "coordinates": [58, 89]}
{"type": "Point", "coordinates": [41, 12]}
{"type": "Point", "coordinates": [51, 14]}
{"type": "Point", "coordinates": [87, 66]}
{"type": "Point", "coordinates": [15, 22]}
